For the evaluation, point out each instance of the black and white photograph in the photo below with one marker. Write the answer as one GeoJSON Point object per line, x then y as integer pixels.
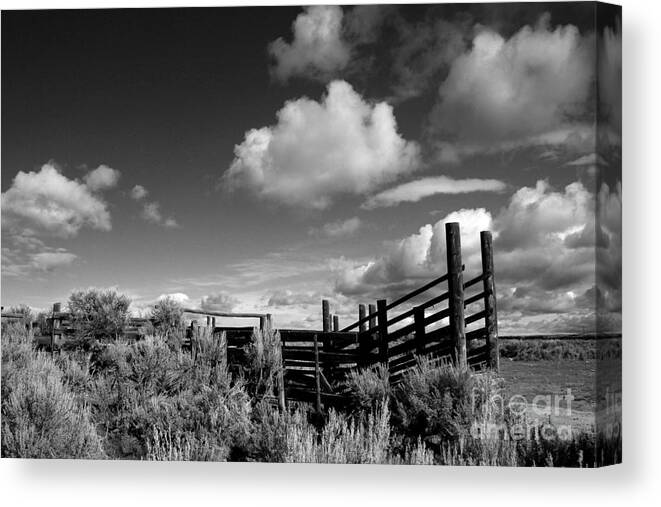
{"type": "Point", "coordinates": [363, 234]}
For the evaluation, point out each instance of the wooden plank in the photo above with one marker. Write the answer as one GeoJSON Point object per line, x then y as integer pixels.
{"type": "Point", "coordinates": [473, 281]}
{"type": "Point", "coordinates": [475, 317]}
{"type": "Point", "coordinates": [474, 299]}
{"type": "Point", "coordinates": [195, 311]}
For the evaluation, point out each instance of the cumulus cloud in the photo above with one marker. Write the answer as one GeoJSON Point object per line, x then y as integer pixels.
{"type": "Point", "coordinates": [316, 150]}
{"type": "Point", "coordinates": [414, 191]}
{"type": "Point", "coordinates": [49, 202]}
{"type": "Point", "coordinates": [529, 89]}
{"type": "Point", "coordinates": [339, 228]}
{"type": "Point", "coordinates": [546, 264]}
{"type": "Point", "coordinates": [219, 302]}
{"type": "Point", "coordinates": [138, 192]}
{"type": "Point", "coordinates": [151, 210]}
{"type": "Point", "coordinates": [318, 48]}
{"type": "Point", "coordinates": [102, 178]}
{"type": "Point", "coordinates": [416, 257]}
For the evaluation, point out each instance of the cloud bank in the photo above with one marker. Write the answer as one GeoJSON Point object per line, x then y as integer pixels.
{"type": "Point", "coordinates": [529, 89]}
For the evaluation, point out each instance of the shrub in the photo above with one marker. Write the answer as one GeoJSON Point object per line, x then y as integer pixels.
{"type": "Point", "coordinates": [436, 403]}
{"type": "Point", "coordinates": [368, 387]}
{"type": "Point", "coordinates": [168, 318]}
{"type": "Point", "coordinates": [99, 314]}
{"type": "Point", "coordinates": [264, 362]}
{"type": "Point", "coordinates": [41, 416]}
{"type": "Point", "coordinates": [26, 315]}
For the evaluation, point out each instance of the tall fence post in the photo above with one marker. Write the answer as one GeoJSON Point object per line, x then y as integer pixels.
{"type": "Point", "coordinates": [456, 292]}
{"type": "Point", "coordinates": [419, 327]}
{"type": "Point", "coordinates": [361, 315]}
{"type": "Point", "coordinates": [491, 315]}
{"type": "Point", "coordinates": [336, 323]}
{"type": "Point", "coordinates": [57, 308]}
{"type": "Point", "coordinates": [269, 321]}
{"type": "Point", "coordinates": [325, 315]}
{"type": "Point", "coordinates": [317, 380]}
{"type": "Point", "coordinates": [372, 310]}
{"type": "Point", "coordinates": [382, 323]}
{"type": "Point", "coordinates": [363, 337]}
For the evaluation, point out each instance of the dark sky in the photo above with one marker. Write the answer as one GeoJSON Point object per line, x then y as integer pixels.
{"type": "Point", "coordinates": [162, 96]}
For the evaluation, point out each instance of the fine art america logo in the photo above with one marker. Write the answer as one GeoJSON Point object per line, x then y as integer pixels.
{"type": "Point", "coordinates": [518, 418]}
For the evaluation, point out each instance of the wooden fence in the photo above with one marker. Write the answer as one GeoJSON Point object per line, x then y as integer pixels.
{"type": "Point", "coordinates": [458, 325]}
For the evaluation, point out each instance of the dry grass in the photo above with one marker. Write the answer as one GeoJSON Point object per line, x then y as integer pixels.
{"type": "Point", "coordinates": [152, 400]}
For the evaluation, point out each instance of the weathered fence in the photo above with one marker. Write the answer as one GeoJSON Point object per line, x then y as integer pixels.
{"type": "Point", "coordinates": [459, 325]}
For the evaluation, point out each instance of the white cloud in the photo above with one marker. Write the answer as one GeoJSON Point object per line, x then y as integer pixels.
{"type": "Point", "coordinates": [139, 192]}
{"type": "Point", "coordinates": [318, 49]}
{"type": "Point", "coordinates": [503, 93]}
{"type": "Point", "coordinates": [50, 202]}
{"type": "Point", "coordinates": [317, 150]}
{"type": "Point", "coordinates": [178, 297]}
{"type": "Point", "coordinates": [219, 302]}
{"type": "Point", "coordinates": [102, 178]}
{"type": "Point", "coordinates": [416, 257]}
{"type": "Point", "coordinates": [151, 210]}
{"type": "Point", "coordinates": [414, 191]}
{"type": "Point", "coordinates": [338, 229]}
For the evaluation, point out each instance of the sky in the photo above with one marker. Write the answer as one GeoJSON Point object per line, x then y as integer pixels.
{"type": "Point", "coordinates": [261, 159]}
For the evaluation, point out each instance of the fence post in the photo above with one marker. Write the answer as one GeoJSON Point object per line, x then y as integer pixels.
{"type": "Point", "coordinates": [336, 323]}
{"type": "Point", "coordinates": [193, 339]}
{"type": "Point", "coordinates": [262, 323]}
{"type": "Point", "coordinates": [382, 319]}
{"type": "Point", "coordinates": [491, 315]}
{"type": "Point", "coordinates": [361, 315]}
{"type": "Point", "coordinates": [57, 308]}
{"type": "Point", "coordinates": [456, 292]}
{"type": "Point", "coordinates": [419, 326]}
{"type": "Point", "coordinates": [325, 315]}
{"type": "Point", "coordinates": [213, 322]}
{"type": "Point", "coordinates": [317, 381]}
{"type": "Point", "coordinates": [208, 321]}
{"type": "Point", "coordinates": [372, 310]}
{"type": "Point", "coordinates": [269, 321]}
{"type": "Point", "coordinates": [363, 337]}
